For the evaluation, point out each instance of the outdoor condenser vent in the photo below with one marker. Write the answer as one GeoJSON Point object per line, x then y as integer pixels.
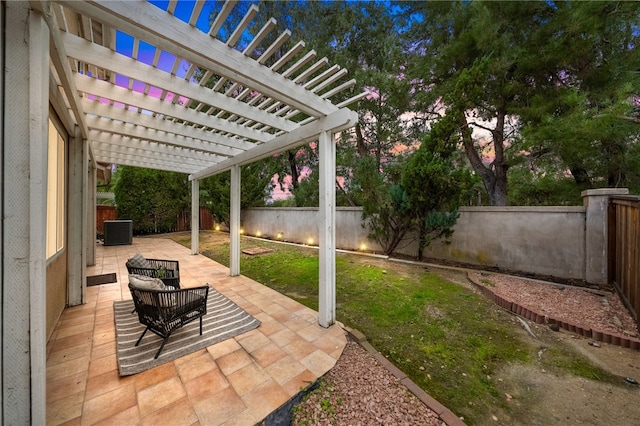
{"type": "Point", "coordinates": [118, 232]}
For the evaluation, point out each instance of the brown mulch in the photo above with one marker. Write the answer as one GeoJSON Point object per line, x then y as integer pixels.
{"type": "Point", "coordinates": [603, 311]}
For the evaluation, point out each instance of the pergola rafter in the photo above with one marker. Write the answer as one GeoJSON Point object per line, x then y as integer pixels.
{"type": "Point", "coordinates": [239, 102]}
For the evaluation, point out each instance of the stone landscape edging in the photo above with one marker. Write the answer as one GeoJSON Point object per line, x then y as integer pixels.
{"type": "Point", "coordinates": [590, 333]}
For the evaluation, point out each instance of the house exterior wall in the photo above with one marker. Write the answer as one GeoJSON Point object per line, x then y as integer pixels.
{"type": "Point", "coordinates": [538, 240]}
{"type": "Point", "coordinates": [56, 289]}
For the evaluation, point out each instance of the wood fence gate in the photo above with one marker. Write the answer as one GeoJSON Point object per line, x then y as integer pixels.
{"type": "Point", "coordinates": [624, 250]}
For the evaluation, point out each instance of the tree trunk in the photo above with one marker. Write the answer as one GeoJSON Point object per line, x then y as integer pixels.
{"type": "Point", "coordinates": [360, 145]}
{"type": "Point", "coordinates": [494, 178]}
{"type": "Point", "coordinates": [580, 175]}
{"type": "Point", "coordinates": [422, 231]}
{"type": "Point", "coordinates": [346, 194]}
{"type": "Point", "coordinates": [293, 164]}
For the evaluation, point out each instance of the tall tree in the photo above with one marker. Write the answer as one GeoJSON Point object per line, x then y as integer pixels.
{"type": "Point", "coordinates": [586, 122]}
{"type": "Point", "coordinates": [152, 199]}
{"type": "Point", "coordinates": [494, 66]}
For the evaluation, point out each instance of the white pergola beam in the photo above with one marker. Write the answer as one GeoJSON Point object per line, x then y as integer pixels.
{"type": "Point", "coordinates": [171, 140]}
{"type": "Point", "coordinates": [244, 23]}
{"type": "Point", "coordinates": [288, 56]}
{"type": "Point", "coordinates": [107, 59]}
{"type": "Point", "coordinates": [336, 122]}
{"type": "Point", "coordinates": [221, 17]}
{"type": "Point", "coordinates": [210, 141]}
{"type": "Point", "coordinates": [195, 13]}
{"type": "Point", "coordinates": [145, 155]}
{"type": "Point", "coordinates": [264, 31]}
{"type": "Point", "coordinates": [125, 96]}
{"type": "Point", "coordinates": [118, 140]}
{"type": "Point", "coordinates": [134, 153]}
{"type": "Point", "coordinates": [282, 38]}
{"type": "Point", "coordinates": [127, 160]}
{"type": "Point", "coordinates": [162, 30]}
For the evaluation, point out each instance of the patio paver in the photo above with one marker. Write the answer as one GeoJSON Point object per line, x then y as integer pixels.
{"type": "Point", "coordinates": [239, 381]}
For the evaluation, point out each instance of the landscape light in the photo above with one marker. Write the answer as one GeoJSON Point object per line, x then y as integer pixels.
{"type": "Point", "coordinates": [217, 227]}
{"type": "Point", "coordinates": [279, 236]}
{"type": "Point", "coordinates": [258, 234]}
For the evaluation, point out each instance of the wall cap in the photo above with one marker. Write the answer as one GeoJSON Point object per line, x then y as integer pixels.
{"type": "Point", "coordinates": [604, 191]}
{"type": "Point", "coordinates": [523, 209]}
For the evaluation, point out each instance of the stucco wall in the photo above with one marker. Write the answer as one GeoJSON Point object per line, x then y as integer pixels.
{"type": "Point", "coordinates": [300, 224]}
{"type": "Point", "coordinates": [539, 240]}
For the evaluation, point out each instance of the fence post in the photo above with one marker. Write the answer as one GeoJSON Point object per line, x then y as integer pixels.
{"type": "Point", "coordinates": [596, 202]}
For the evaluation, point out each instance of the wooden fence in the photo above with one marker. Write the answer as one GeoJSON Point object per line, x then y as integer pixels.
{"type": "Point", "coordinates": [624, 250]}
{"type": "Point", "coordinates": [183, 221]}
{"type": "Point", "coordinates": [104, 213]}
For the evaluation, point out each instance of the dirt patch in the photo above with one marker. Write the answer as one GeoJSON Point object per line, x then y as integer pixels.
{"type": "Point", "coordinates": [541, 398]}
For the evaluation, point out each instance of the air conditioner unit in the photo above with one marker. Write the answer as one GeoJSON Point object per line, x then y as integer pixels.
{"type": "Point", "coordinates": [118, 232]}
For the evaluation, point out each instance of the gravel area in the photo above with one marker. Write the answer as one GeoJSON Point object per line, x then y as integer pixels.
{"type": "Point", "coordinates": [601, 312]}
{"type": "Point", "coordinates": [360, 391]}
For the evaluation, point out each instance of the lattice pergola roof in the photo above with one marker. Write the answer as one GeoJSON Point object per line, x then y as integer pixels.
{"type": "Point", "coordinates": [126, 71]}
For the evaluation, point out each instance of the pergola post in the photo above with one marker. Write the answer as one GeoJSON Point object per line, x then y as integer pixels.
{"type": "Point", "coordinates": [24, 45]}
{"type": "Point", "coordinates": [76, 263]}
{"type": "Point", "coordinates": [326, 230]}
{"type": "Point", "coordinates": [234, 228]}
{"type": "Point", "coordinates": [90, 201]}
{"type": "Point", "coordinates": [195, 216]}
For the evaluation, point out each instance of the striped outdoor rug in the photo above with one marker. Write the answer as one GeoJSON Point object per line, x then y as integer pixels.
{"type": "Point", "coordinates": [224, 319]}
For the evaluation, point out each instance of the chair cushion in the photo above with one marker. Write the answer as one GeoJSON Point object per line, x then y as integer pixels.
{"type": "Point", "coordinates": [138, 261]}
{"type": "Point", "coordinates": [144, 282]}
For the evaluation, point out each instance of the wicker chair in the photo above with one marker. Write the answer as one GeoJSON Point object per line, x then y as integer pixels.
{"type": "Point", "coordinates": [167, 270]}
{"type": "Point", "coordinates": [164, 311]}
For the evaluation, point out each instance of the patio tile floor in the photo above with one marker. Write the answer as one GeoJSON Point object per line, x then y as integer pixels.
{"type": "Point", "coordinates": [239, 381]}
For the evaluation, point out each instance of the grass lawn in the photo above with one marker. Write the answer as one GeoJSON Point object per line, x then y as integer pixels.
{"type": "Point", "coordinates": [446, 338]}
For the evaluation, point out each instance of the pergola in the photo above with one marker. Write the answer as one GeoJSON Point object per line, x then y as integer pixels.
{"type": "Point", "coordinates": [126, 70]}
{"type": "Point", "coordinates": [121, 77]}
